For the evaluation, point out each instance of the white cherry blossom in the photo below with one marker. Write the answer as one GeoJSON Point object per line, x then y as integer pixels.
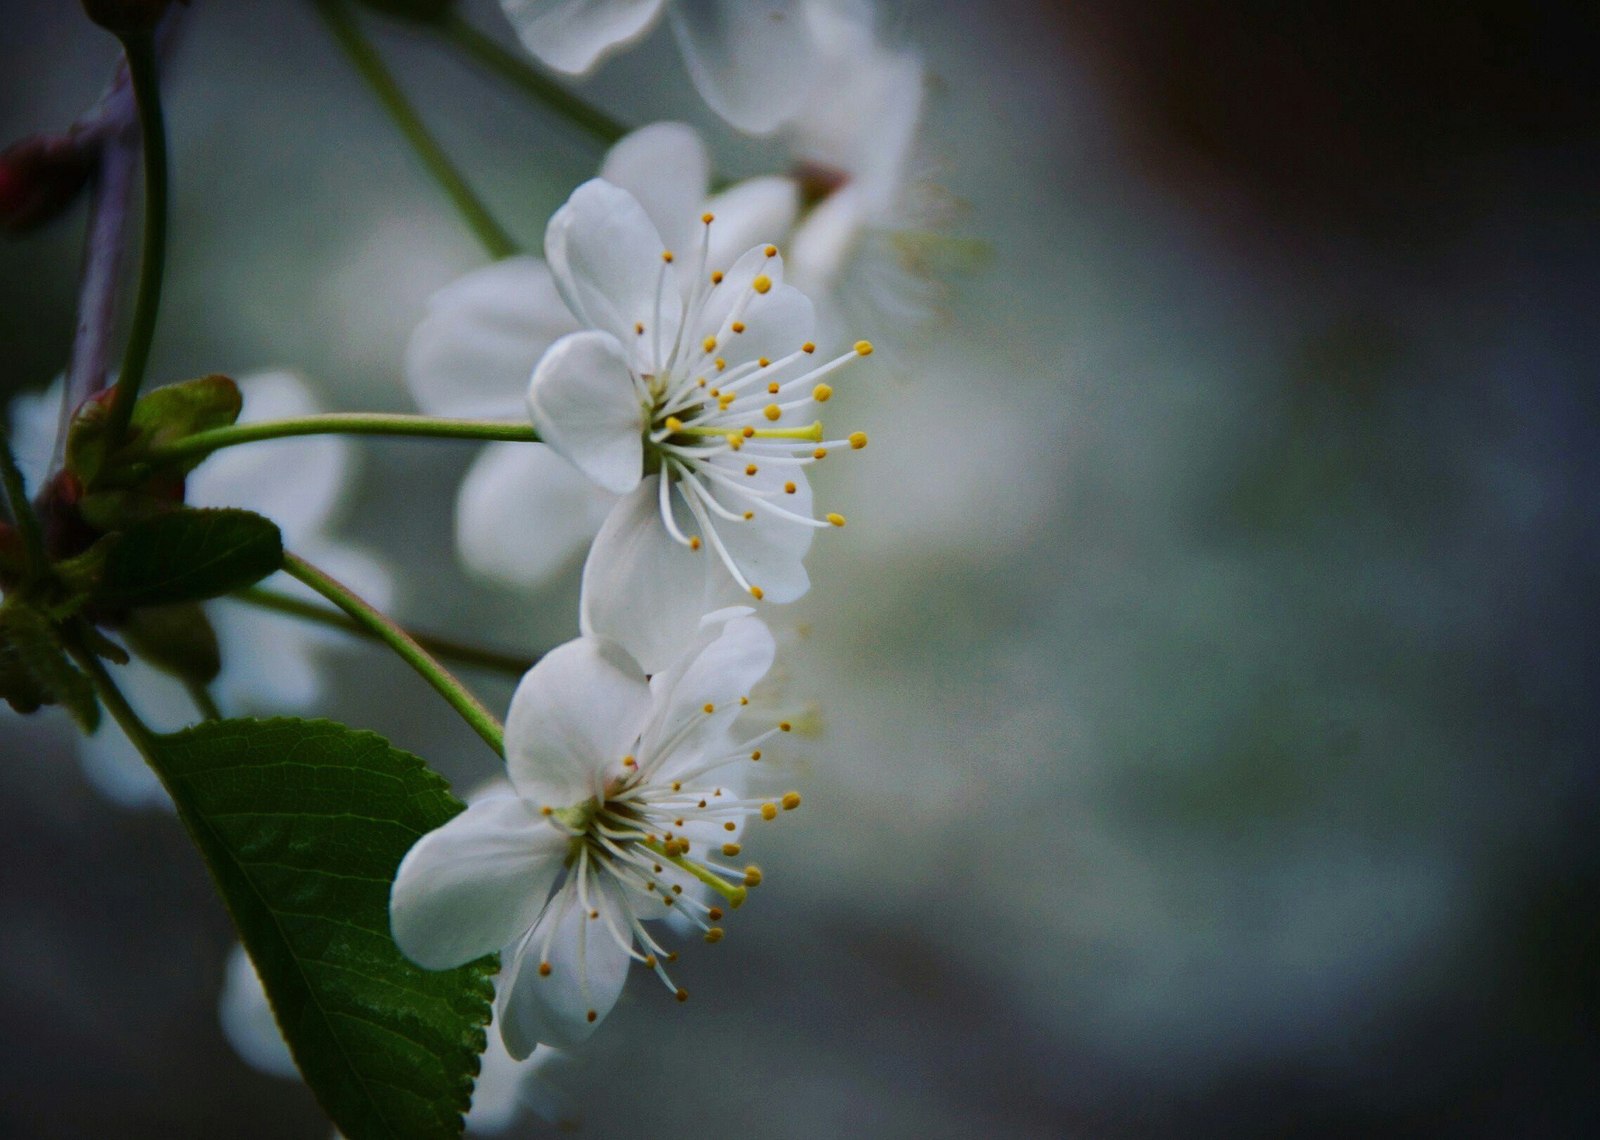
{"type": "Point", "coordinates": [627, 803]}
{"type": "Point", "coordinates": [692, 393]}
{"type": "Point", "coordinates": [522, 514]}
{"type": "Point", "coordinates": [751, 60]}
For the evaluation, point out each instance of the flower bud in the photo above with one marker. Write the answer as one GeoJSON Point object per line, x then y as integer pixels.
{"type": "Point", "coordinates": [40, 177]}
{"type": "Point", "coordinates": [423, 11]}
{"type": "Point", "coordinates": [125, 17]}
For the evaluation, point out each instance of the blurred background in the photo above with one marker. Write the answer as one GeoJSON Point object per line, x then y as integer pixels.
{"type": "Point", "coordinates": [1207, 735]}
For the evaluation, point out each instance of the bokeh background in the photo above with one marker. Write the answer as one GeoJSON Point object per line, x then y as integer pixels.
{"type": "Point", "coordinates": [1206, 680]}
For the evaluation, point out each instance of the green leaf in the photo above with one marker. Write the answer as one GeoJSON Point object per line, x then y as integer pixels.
{"type": "Point", "coordinates": [189, 555]}
{"type": "Point", "coordinates": [34, 669]}
{"type": "Point", "coordinates": [303, 823]}
{"type": "Point", "coordinates": [161, 416]}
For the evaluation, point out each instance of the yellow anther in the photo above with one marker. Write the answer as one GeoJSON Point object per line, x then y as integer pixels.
{"type": "Point", "coordinates": [761, 284]}
{"type": "Point", "coordinates": [714, 393]}
{"type": "Point", "coordinates": [756, 755]}
{"type": "Point", "coordinates": [714, 913]}
{"type": "Point", "coordinates": [769, 811]}
{"type": "Point", "coordinates": [785, 726]}
{"type": "Point", "coordinates": [744, 701]}
{"type": "Point", "coordinates": [593, 914]}
{"type": "Point", "coordinates": [835, 518]}
{"type": "Point", "coordinates": [544, 969]}
{"type": "Point", "coordinates": [789, 488]}
{"type": "Point", "coordinates": [748, 515]}
{"type": "Point", "coordinates": [821, 393]}
{"type": "Point", "coordinates": [638, 327]}
{"type": "Point", "coordinates": [791, 800]}
{"type": "Point", "coordinates": [681, 995]}
{"type": "Point", "coordinates": [763, 362]}
{"type": "Point", "coordinates": [649, 961]}
{"type": "Point", "coordinates": [547, 810]}
{"type": "Point", "coordinates": [725, 399]}
{"type": "Point", "coordinates": [751, 469]}
{"type": "Point", "coordinates": [709, 343]}
{"type": "Point", "coordinates": [714, 934]}
{"type": "Point", "coordinates": [735, 440]}
{"type": "Point", "coordinates": [757, 593]}
{"type": "Point", "coordinates": [747, 431]}
{"type": "Point", "coordinates": [772, 411]}
{"type": "Point", "coordinates": [701, 381]}
{"type": "Point", "coordinates": [730, 826]}
{"type": "Point", "coordinates": [710, 708]}
{"type": "Point", "coordinates": [666, 255]}
{"type": "Point", "coordinates": [771, 251]}
{"type": "Point", "coordinates": [808, 347]}
{"type": "Point", "coordinates": [708, 218]}
{"type": "Point", "coordinates": [677, 786]}
{"type": "Point", "coordinates": [694, 542]}
{"type": "Point", "coordinates": [820, 453]}
{"type": "Point", "coordinates": [864, 347]}
{"type": "Point", "coordinates": [738, 326]}
{"type": "Point", "coordinates": [716, 277]}
{"type": "Point", "coordinates": [731, 849]}
{"type": "Point", "coordinates": [721, 364]}
{"type": "Point", "coordinates": [858, 440]}
{"type": "Point", "coordinates": [592, 1015]}
{"type": "Point", "coordinates": [772, 388]}
{"type": "Point", "coordinates": [629, 762]}
{"type": "Point", "coordinates": [674, 424]}
{"type": "Point", "coordinates": [752, 876]}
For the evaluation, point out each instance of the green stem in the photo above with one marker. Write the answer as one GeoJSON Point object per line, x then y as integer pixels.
{"type": "Point", "coordinates": [521, 74]}
{"type": "Point", "coordinates": [452, 690]}
{"type": "Point", "coordinates": [22, 512]}
{"type": "Point", "coordinates": [121, 711]}
{"type": "Point", "coordinates": [203, 700]}
{"type": "Point", "coordinates": [444, 648]}
{"type": "Point", "coordinates": [345, 28]}
{"type": "Point", "coordinates": [141, 54]}
{"type": "Point", "coordinates": [340, 423]}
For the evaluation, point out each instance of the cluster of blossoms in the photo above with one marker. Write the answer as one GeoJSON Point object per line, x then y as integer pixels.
{"type": "Point", "coordinates": [675, 368]}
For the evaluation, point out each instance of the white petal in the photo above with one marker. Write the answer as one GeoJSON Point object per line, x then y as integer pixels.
{"type": "Point", "coordinates": [768, 548]}
{"type": "Point", "coordinates": [496, 1099]}
{"type": "Point", "coordinates": [572, 35]}
{"type": "Point", "coordinates": [296, 482]}
{"type": "Point", "coordinates": [824, 241]}
{"type": "Point", "coordinates": [723, 664]}
{"type": "Point", "coordinates": [573, 718]}
{"type": "Point", "coordinates": [752, 212]}
{"type": "Point", "coordinates": [247, 1020]}
{"type": "Point", "coordinates": [473, 351]}
{"type": "Point", "coordinates": [776, 322]}
{"type": "Point", "coordinates": [583, 401]}
{"type": "Point", "coordinates": [112, 765]}
{"type": "Point", "coordinates": [643, 589]}
{"type": "Point", "coordinates": [35, 419]}
{"type": "Point", "coordinates": [473, 886]}
{"type": "Point", "coordinates": [588, 967]}
{"type": "Point", "coordinates": [605, 254]}
{"type": "Point", "coordinates": [523, 513]}
{"type": "Point", "coordinates": [666, 168]}
{"type": "Point", "coordinates": [751, 60]}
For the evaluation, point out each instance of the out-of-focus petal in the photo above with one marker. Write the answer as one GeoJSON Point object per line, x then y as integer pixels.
{"type": "Point", "coordinates": [247, 1020]}
{"type": "Point", "coordinates": [474, 349]}
{"type": "Point", "coordinates": [752, 60]}
{"type": "Point", "coordinates": [573, 35]}
{"type": "Point", "coordinates": [752, 212]}
{"type": "Point", "coordinates": [523, 513]}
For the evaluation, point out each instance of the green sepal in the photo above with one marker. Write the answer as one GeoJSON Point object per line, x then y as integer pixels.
{"type": "Point", "coordinates": [161, 416]}
{"type": "Point", "coordinates": [189, 555]}
{"type": "Point", "coordinates": [177, 638]}
{"type": "Point", "coordinates": [35, 670]}
{"type": "Point", "coordinates": [303, 824]}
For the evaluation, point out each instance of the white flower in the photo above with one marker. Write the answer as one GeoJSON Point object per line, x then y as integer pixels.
{"type": "Point", "coordinates": [522, 513]}
{"type": "Point", "coordinates": [852, 138]}
{"type": "Point", "coordinates": [627, 797]}
{"type": "Point", "coordinates": [751, 60]}
{"type": "Point", "coordinates": [692, 393]}
{"type": "Point", "coordinates": [270, 662]}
